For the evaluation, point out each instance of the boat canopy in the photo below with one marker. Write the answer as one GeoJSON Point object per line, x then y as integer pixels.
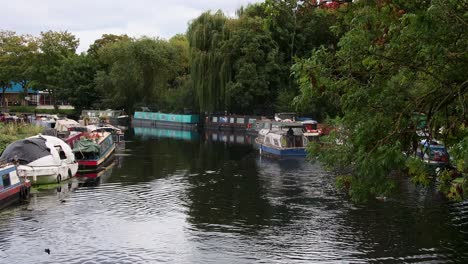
{"type": "Point", "coordinates": [63, 125]}
{"type": "Point", "coordinates": [86, 146]}
{"type": "Point", "coordinates": [26, 150]}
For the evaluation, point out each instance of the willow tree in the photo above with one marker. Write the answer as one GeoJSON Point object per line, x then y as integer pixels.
{"type": "Point", "coordinates": [210, 68]}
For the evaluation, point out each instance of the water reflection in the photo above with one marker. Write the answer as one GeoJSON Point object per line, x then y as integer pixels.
{"type": "Point", "coordinates": [151, 132]}
{"type": "Point", "coordinates": [209, 201]}
{"type": "Point", "coordinates": [229, 137]}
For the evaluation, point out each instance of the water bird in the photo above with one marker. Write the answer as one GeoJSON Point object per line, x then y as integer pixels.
{"type": "Point", "coordinates": [47, 251]}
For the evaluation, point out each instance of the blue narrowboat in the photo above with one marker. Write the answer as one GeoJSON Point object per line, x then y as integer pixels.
{"type": "Point", "coordinates": [12, 188]}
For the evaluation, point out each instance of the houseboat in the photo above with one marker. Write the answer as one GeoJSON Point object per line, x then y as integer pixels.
{"type": "Point", "coordinates": [286, 141]}
{"type": "Point", "coordinates": [42, 159]}
{"type": "Point", "coordinates": [93, 150]}
{"type": "Point", "coordinates": [116, 117]}
{"type": "Point", "coordinates": [170, 121]}
{"type": "Point", "coordinates": [12, 187]}
{"type": "Point", "coordinates": [238, 123]}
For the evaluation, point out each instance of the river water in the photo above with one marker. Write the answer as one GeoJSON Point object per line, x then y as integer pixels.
{"type": "Point", "coordinates": [212, 199]}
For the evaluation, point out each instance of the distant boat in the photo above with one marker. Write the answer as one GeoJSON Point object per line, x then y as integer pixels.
{"type": "Point", "coordinates": [42, 159]}
{"type": "Point", "coordinates": [433, 152]}
{"type": "Point", "coordinates": [12, 187]}
{"type": "Point", "coordinates": [93, 150]}
{"type": "Point", "coordinates": [163, 120]}
{"type": "Point", "coordinates": [282, 142]}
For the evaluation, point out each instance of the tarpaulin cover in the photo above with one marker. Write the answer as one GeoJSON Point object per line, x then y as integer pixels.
{"type": "Point", "coordinates": [86, 145]}
{"type": "Point", "coordinates": [26, 150]}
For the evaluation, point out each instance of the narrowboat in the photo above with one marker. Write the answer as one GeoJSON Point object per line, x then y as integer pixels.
{"type": "Point", "coordinates": [12, 187]}
{"type": "Point", "coordinates": [237, 123]}
{"type": "Point", "coordinates": [287, 141]}
{"type": "Point", "coordinates": [94, 150]}
{"type": "Point", "coordinates": [170, 121]}
{"type": "Point", "coordinates": [90, 117]}
{"type": "Point", "coordinates": [42, 159]}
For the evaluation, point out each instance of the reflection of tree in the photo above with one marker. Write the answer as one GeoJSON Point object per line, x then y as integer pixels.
{"type": "Point", "coordinates": [415, 226]}
{"type": "Point", "coordinates": [225, 189]}
{"type": "Point", "coordinates": [154, 159]}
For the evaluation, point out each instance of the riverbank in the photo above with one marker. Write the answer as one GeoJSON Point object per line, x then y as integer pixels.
{"type": "Point", "coordinates": [12, 132]}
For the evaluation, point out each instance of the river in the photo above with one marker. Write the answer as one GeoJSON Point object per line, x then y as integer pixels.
{"type": "Point", "coordinates": [212, 199]}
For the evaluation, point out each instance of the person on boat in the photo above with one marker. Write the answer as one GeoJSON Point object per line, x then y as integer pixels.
{"type": "Point", "coordinates": [290, 136]}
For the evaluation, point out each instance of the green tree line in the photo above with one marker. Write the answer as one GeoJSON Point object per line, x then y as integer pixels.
{"type": "Point", "coordinates": [366, 67]}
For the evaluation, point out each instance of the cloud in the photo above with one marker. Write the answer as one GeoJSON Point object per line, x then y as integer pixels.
{"type": "Point", "coordinates": [89, 19]}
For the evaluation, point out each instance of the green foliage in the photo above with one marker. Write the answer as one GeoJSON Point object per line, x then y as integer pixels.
{"type": "Point", "coordinates": [393, 59]}
{"type": "Point", "coordinates": [76, 84]}
{"type": "Point", "coordinates": [54, 50]}
{"type": "Point", "coordinates": [137, 72]}
{"type": "Point", "coordinates": [210, 69]}
{"type": "Point", "coordinates": [418, 171]}
{"type": "Point", "coordinates": [344, 182]}
{"type": "Point", "coordinates": [12, 132]}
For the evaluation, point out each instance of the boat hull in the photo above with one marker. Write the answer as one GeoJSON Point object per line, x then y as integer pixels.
{"type": "Point", "coordinates": [13, 194]}
{"type": "Point", "coordinates": [287, 152]}
{"type": "Point", "coordinates": [50, 174]}
{"type": "Point", "coordinates": [86, 165]}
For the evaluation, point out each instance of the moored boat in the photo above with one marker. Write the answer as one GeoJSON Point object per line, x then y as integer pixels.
{"type": "Point", "coordinates": [287, 141]}
{"type": "Point", "coordinates": [94, 150]}
{"type": "Point", "coordinates": [163, 120]}
{"type": "Point", "coordinates": [42, 159]}
{"type": "Point", "coordinates": [12, 187]}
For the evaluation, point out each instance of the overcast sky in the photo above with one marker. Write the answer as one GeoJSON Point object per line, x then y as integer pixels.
{"type": "Point", "coordinates": [89, 19]}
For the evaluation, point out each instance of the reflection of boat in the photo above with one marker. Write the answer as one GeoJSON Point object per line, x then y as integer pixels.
{"type": "Point", "coordinates": [162, 120]}
{"type": "Point", "coordinates": [94, 178]}
{"type": "Point", "coordinates": [12, 188]}
{"type": "Point", "coordinates": [43, 159]}
{"type": "Point", "coordinates": [286, 141]}
{"type": "Point", "coordinates": [149, 132]}
{"type": "Point", "coordinates": [94, 149]}
{"type": "Point", "coordinates": [230, 138]}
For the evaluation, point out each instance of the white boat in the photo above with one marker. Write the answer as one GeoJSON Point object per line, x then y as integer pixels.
{"type": "Point", "coordinates": [42, 159]}
{"type": "Point", "coordinates": [287, 141]}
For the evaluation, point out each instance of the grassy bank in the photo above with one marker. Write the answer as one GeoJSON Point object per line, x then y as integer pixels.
{"type": "Point", "coordinates": [12, 132]}
{"type": "Point", "coordinates": [32, 109]}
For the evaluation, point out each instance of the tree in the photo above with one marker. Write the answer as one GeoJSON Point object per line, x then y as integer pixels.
{"type": "Point", "coordinates": [103, 41]}
{"type": "Point", "coordinates": [16, 55]}
{"type": "Point", "coordinates": [136, 72]}
{"type": "Point", "coordinates": [254, 58]}
{"type": "Point", "coordinates": [210, 70]}
{"type": "Point", "coordinates": [54, 49]}
{"type": "Point", "coordinates": [77, 82]}
{"type": "Point", "coordinates": [395, 58]}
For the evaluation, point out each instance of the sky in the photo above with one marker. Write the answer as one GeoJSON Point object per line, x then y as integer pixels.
{"type": "Point", "coordinates": [89, 19]}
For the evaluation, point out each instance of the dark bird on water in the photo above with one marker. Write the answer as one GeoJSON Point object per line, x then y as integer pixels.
{"type": "Point", "coordinates": [47, 251]}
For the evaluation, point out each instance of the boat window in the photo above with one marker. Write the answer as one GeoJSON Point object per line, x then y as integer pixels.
{"type": "Point", "coordinates": [61, 153]}
{"type": "Point", "coordinates": [267, 140]}
{"type": "Point", "coordinates": [6, 180]}
{"type": "Point", "coordinates": [276, 142]}
{"type": "Point", "coordinates": [240, 120]}
{"type": "Point", "coordinates": [232, 120]}
{"type": "Point", "coordinates": [215, 119]}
